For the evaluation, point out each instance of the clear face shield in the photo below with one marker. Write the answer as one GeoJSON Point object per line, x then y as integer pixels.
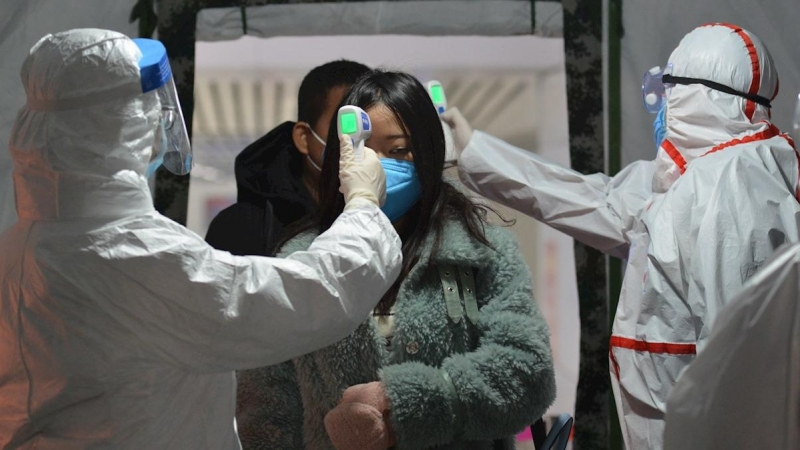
{"type": "Point", "coordinates": [172, 148]}
{"type": "Point", "coordinates": [654, 90]}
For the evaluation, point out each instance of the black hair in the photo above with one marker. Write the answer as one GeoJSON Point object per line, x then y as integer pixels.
{"type": "Point", "coordinates": [313, 95]}
{"type": "Point", "coordinates": [440, 201]}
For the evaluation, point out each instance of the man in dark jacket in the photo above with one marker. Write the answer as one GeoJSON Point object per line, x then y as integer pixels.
{"type": "Point", "coordinates": [277, 176]}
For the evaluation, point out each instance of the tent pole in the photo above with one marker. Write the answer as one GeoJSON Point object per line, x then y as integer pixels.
{"type": "Point", "coordinates": [583, 47]}
{"type": "Point", "coordinates": [614, 43]}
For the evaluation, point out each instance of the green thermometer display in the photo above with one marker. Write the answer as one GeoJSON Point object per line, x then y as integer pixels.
{"type": "Point", "coordinates": [354, 122]}
{"type": "Point", "coordinates": [436, 92]}
{"type": "Point", "coordinates": [348, 124]}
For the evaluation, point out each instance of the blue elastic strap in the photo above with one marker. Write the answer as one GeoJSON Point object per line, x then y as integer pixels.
{"type": "Point", "coordinates": [154, 65]}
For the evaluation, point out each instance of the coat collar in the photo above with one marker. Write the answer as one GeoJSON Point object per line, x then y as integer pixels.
{"type": "Point", "coordinates": [457, 247]}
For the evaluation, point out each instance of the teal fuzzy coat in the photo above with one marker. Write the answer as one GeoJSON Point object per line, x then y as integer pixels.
{"type": "Point", "coordinates": [450, 385]}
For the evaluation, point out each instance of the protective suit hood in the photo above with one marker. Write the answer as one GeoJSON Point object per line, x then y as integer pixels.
{"type": "Point", "coordinates": [701, 120]}
{"type": "Point", "coordinates": [84, 138]}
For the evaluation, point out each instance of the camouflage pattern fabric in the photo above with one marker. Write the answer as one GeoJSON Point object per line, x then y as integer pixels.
{"type": "Point", "coordinates": [584, 65]}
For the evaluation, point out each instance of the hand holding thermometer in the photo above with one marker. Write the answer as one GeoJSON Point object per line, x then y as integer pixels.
{"type": "Point", "coordinates": [436, 91]}
{"type": "Point", "coordinates": [354, 122]}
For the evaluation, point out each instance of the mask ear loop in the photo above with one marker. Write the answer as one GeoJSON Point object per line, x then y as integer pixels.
{"type": "Point", "coordinates": [322, 142]}
{"type": "Point", "coordinates": [317, 137]}
{"type": "Point", "coordinates": [313, 164]}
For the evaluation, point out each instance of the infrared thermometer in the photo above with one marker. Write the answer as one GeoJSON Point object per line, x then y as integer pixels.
{"type": "Point", "coordinates": [439, 100]}
{"type": "Point", "coordinates": [354, 122]}
{"type": "Point", "coordinates": [436, 92]}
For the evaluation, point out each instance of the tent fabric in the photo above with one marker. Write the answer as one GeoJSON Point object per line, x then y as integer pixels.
{"type": "Point", "coordinates": [429, 18]}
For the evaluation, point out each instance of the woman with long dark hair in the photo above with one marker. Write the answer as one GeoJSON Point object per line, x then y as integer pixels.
{"type": "Point", "coordinates": [457, 354]}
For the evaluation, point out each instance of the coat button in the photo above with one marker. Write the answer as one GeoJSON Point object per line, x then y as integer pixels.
{"type": "Point", "coordinates": [412, 348]}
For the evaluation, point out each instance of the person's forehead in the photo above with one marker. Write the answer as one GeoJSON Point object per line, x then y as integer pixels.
{"type": "Point", "coordinates": [381, 113]}
{"type": "Point", "coordinates": [384, 121]}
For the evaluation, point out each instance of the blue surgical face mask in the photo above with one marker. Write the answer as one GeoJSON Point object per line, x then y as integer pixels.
{"type": "Point", "coordinates": [159, 148]}
{"type": "Point", "coordinates": [403, 188]}
{"type": "Point", "coordinates": [660, 126]}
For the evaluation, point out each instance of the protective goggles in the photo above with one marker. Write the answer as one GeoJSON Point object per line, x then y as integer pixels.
{"type": "Point", "coordinates": [157, 76]}
{"type": "Point", "coordinates": [657, 81]}
{"type": "Point", "coordinates": [654, 90]}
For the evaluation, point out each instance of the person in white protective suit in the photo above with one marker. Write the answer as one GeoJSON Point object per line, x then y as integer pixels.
{"type": "Point", "coordinates": [118, 327]}
{"type": "Point", "coordinates": [743, 390]}
{"type": "Point", "coordinates": [693, 225]}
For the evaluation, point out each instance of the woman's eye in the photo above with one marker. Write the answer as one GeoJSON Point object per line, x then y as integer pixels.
{"type": "Point", "coordinates": [399, 151]}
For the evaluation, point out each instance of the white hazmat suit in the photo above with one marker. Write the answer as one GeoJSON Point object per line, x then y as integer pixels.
{"type": "Point", "coordinates": [693, 225]}
{"type": "Point", "coordinates": [743, 390]}
{"type": "Point", "coordinates": [118, 327]}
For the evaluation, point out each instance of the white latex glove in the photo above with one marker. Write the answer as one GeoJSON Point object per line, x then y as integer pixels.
{"type": "Point", "coordinates": [462, 130]}
{"type": "Point", "coordinates": [361, 181]}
